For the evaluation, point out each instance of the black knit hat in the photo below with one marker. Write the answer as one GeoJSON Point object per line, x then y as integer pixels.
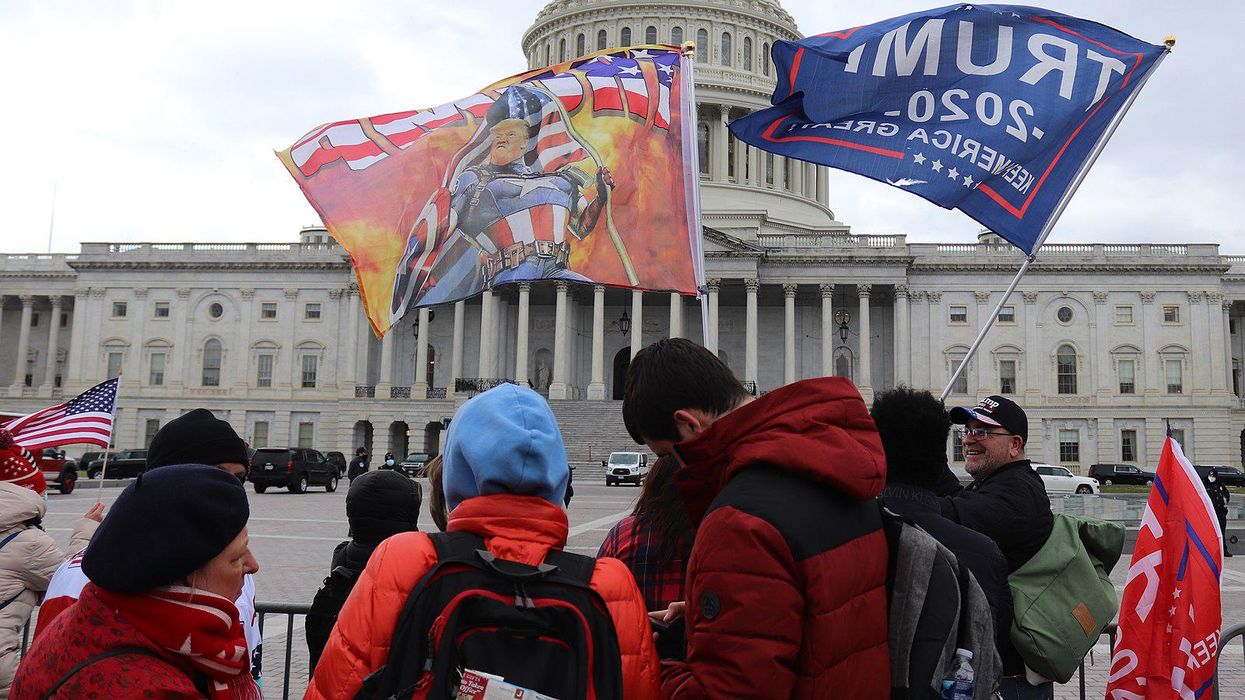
{"type": "Point", "coordinates": [197, 437]}
{"type": "Point", "coordinates": [381, 504]}
{"type": "Point", "coordinates": [165, 525]}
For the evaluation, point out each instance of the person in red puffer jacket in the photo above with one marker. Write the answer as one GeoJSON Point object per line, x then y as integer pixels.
{"type": "Point", "coordinates": [786, 584]}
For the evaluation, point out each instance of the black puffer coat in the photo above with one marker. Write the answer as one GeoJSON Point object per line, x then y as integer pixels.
{"type": "Point", "coordinates": [1010, 507]}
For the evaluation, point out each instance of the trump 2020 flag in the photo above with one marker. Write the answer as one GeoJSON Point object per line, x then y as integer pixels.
{"type": "Point", "coordinates": [1169, 618]}
{"type": "Point", "coordinates": [581, 172]}
{"type": "Point", "coordinates": [990, 109]}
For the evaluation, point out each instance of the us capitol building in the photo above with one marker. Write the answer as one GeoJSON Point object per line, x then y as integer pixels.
{"type": "Point", "coordinates": [1103, 344]}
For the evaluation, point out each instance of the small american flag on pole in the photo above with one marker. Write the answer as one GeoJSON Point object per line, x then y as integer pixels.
{"type": "Point", "coordinates": [86, 418]}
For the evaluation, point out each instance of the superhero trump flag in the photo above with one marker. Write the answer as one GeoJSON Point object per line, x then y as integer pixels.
{"type": "Point", "coordinates": [1168, 642]}
{"type": "Point", "coordinates": [996, 110]}
{"type": "Point", "coordinates": [581, 172]}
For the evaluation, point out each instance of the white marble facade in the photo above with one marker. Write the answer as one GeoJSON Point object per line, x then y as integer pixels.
{"type": "Point", "coordinates": [1104, 345]}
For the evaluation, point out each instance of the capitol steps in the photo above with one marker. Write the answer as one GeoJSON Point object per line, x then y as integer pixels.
{"type": "Point", "coordinates": [591, 430]}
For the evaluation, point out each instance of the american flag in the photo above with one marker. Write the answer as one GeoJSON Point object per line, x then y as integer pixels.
{"type": "Point", "coordinates": [86, 418]}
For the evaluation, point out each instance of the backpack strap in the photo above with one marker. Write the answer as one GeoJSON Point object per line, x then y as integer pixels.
{"type": "Point", "coordinates": [116, 651]}
{"type": "Point", "coordinates": [10, 538]}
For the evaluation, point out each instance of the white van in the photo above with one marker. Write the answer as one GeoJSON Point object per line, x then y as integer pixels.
{"type": "Point", "coordinates": [626, 467]}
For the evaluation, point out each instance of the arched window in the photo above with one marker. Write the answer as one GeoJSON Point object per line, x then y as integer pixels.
{"type": "Point", "coordinates": [548, 49]}
{"type": "Point", "coordinates": [702, 146]}
{"type": "Point", "coordinates": [211, 362]}
{"type": "Point", "coordinates": [702, 43]}
{"type": "Point", "coordinates": [624, 37]}
{"type": "Point", "coordinates": [765, 58]}
{"type": "Point", "coordinates": [561, 50]}
{"type": "Point", "coordinates": [726, 48]}
{"type": "Point", "coordinates": [676, 36]}
{"type": "Point", "coordinates": [1065, 369]}
{"type": "Point", "coordinates": [650, 34]}
{"type": "Point", "coordinates": [600, 40]}
{"type": "Point", "coordinates": [747, 53]}
{"type": "Point", "coordinates": [769, 169]}
{"type": "Point", "coordinates": [581, 44]}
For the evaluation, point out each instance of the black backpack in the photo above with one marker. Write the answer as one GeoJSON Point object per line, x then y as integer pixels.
{"type": "Point", "coordinates": [542, 628]}
{"type": "Point", "coordinates": [325, 607]}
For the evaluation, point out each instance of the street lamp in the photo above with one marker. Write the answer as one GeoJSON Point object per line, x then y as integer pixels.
{"type": "Point", "coordinates": [624, 323]}
{"type": "Point", "coordinates": [842, 317]}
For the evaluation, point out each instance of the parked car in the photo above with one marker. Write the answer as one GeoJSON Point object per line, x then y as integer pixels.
{"type": "Point", "coordinates": [414, 464]}
{"type": "Point", "coordinates": [1059, 479]}
{"type": "Point", "coordinates": [87, 458]}
{"type": "Point", "coordinates": [1230, 476]}
{"type": "Point", "coordinates": [1108, 474]}
{"type": "Point", "coordinates": [122, 464]}
{"type": "Point", "coordinates": [294, 468]}
{"type": "Point", "coordinates": [625, 467]}
{"type": "Point", "coordinates": [57, 471]}
{"type": "Point", "coordinates": [338, 460]}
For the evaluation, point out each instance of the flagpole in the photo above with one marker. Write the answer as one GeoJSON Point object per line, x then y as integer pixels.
{"type": "Point", "coordinates": [103, 471]}
{"type": "Point", "coordinates": [687, 75]}
{"type": "Point", "coordinates": [1050, 223]}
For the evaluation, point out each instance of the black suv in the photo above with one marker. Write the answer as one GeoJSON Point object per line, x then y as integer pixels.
{"type": "Point", "coordinates": [294, 468]}
{"type": "Point", "coordinates": [338, 460]}
{"type": "Point", "coordinates": [1108, 474]}
{"type": "Point", "coordinates": [123, 464]}
{"type": "Point", "coordinates": [415, 465]}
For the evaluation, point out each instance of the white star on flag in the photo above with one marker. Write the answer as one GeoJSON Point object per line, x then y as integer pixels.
{"type": "Point", "coordinates": [630, 70]}
{"type": "Point", "coordinates": [918, 158]}
{"type": "Point", "coordinates": [953, 174]}
{"type": "Point", "coordinates": [641, 53]}
{"type": "Point", "coordinates": [968, 181]}
{"type": "Point", "coordinates": [937, 166]}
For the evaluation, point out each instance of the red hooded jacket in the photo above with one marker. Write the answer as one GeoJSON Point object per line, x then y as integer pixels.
{"type": "Point", "coordinates": [786, 586]}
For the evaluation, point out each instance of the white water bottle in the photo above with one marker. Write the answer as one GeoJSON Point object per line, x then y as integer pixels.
{"type": "Point", "coordinates": [960, 685]}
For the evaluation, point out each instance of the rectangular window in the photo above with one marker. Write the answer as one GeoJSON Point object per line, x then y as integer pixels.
{"type": "Point", "coordinates": [268, 310]}
{"type": "Point", "coordinates": [1171, 314]}
{"type": "Point", "coordinates": [156, 377]}
{"type": "Point", "coordinates": [1007, 314]}
{"type": "Point", "coordinates": [311, 312]}
{"type": "Point", "coordinates": [114, 364]}
{"type": "Point", "coordinates": [1128, 445]}
{"type": "Point", "coordinates": [1178, 436]}
{"type": "Point", "coordinates": [30, 380]}
{"type": "Point", "coordinates": [959, 314]}
{"type": "Point", "coordinates": [1007, 376]}
{"type": "Point", "coordinates": [1128, 376]}
{"type": "Point", "coordinates": [306, 434]}
{"type": "Point", "coordinates": [260, 438]}
{"type": "Point", "coordinates": [961, 382]}
{"type": "Point", "coordinates": [64, 320]}
{"type": "Point", "coordinates": [310, 365]}
{"type": "Point", "coordinates": [119, 309]}
{"type": "Point", "coordinates": [1070, 446]}
{"type": "Point", "coordinates": [1124, 315]}
{"type": "Point", "coordinates": [1175, 376]}
{"type": "Point", "coordinates": [162, 309]}
{"type": "Point", "coordinates": [149, 430]}
{"type": "Point", "coordinates": [957, 445]}
{"type": "Point", "coordinates": [263, 374]}
{"type": "Point", "coordinates": [34, 320]}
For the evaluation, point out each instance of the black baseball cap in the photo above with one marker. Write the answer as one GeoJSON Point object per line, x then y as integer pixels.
{"type": "Point", "coordinates": [995, 410]}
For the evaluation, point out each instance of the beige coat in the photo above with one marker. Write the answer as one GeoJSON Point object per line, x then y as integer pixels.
{"type": "Point", "coordinates": [27, 563]}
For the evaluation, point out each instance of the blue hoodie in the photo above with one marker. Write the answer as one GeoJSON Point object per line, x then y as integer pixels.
{"type": "Point", "coordinates": [504, 440]}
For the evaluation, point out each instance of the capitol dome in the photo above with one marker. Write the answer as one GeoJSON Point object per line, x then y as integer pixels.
{"type": "Point", "coordinates": [744, 191]}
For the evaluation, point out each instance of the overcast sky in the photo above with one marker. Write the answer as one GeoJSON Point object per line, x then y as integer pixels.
{"type": "Point", "coordinates": [156, 120]}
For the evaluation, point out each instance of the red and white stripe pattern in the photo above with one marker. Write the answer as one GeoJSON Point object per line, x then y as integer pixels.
{"type": "Point", "coordinates": [345, 141]}
{"type": "Point", "coordinates": [555, 147]}
{"type": "Point", "coordinates": [86, 418]}
{"type": "Point", "coordinates": [543, 222]}
{"type": "Point", "coordinates": [405, 128]}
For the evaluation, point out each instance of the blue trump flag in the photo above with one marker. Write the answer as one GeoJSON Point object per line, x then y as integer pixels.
{"type": "Point", "coordinates": [996, 110]}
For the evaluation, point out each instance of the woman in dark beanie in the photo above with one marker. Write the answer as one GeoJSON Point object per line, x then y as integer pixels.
{"type": "Point", "coordinates": [379, 504]}
{"type": "Point", "coordinates": [158, 619]}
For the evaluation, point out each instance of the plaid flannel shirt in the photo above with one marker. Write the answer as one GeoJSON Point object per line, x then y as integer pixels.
{"type": "Point", "coordinates": [636, 545]}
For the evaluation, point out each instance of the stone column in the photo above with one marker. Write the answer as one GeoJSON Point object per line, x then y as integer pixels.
{"type": "Point", "coordinates": [348, 321]}
{"type": "Point", "coordinates": [863, 291]}
{"type": "Point", "coordinates": [823, 186]}
{"type": "Point", "coordinates": [1149, 332]}
{"type": "Point", "coordinates": [637, 321]}
{"type": "Point", "coordinates": [1198, 372]}
{"type": "Point", "coordinates": [596, 387]}
{"type": "Point", "coordinates": [827, 329]}
{"type": "Point", "coordinates": [49, 373]}
{"type": "Point", "coordinates": [484, 368]}
{"type": "Point", "coordinates": [1100, 347]}
{"type": "Point", "coordinates": [713, 286]}
{"type": "Point", "coordinates": [456, 349]}
{"type": "Point", "coordinates": [419, 387]}
{"type": "Point", "coordinates": [937, 379]}
{"type": "Point", "coordinates": [754, 166]}
{"type": "Point", "coordinates": [720, 148]}
{"type": "Point", "coordinates": [676, 315]}
{"type": "Point", "coordinates": [23, 345]}
{"type": "Point", "coordinates": [797, 177]}
{"type": "Point", "coordinates": [77, 355]}
{"type": "Point", "coordinates": [741, 158]}
{"type": "Point", "coordinates": [520, 347]}
{"type": "Point", "coordinates": [183, 370]}
{"type": "Point", "coordinates": [751, 286]}
{"type": "Point", "coordinates": [788, 365]}
{"type": "Point", "coordinates": [558, 388]}
{"type": "Point", "coordinates": [1225, 371]}
{"type": "Point", "coordinates": [385, 381]}
{"type": "Point", "coordinates": [1033, 357]}
{"type": "Point", "coordinates": [903, 337]}
{"type": "Point", "coordinates": [977, 383]}
{"type": "Point", "coordinates": [780, 172]}
{"type": "Point", "coordinates": [810, 181]}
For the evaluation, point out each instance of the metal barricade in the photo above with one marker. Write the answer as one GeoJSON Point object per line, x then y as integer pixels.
{"type": "Point", "coordinates": [289, 610]}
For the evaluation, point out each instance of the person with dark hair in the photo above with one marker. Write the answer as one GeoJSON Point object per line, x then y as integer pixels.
{"type": "Point", "coordinates": [786, 580]}
{"type": "Point", "coordinates": [436, 494]}
{"type": "Point", "coordinates": [914, 427]}
{"type": "Point", "coordinates": [379, 504]}
{"type": "Point", "coordinates": [655, 539]}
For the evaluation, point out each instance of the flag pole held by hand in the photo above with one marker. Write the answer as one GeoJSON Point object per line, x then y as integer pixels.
{"type": "Point", "coordinates": [103, 470]}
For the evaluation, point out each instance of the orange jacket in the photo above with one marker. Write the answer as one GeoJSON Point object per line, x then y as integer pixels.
{"type": "Point", "coordinates": [517, 528]}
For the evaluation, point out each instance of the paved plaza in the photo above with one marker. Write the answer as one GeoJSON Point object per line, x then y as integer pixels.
{"type": "Point", "coordinates": [293, 538]}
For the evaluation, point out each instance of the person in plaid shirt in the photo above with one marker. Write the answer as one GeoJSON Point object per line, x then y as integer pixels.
{"type": "Point", "coordinates": [655, 539]}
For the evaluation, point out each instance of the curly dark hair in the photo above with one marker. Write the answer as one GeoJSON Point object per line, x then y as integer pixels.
{"type": "Point", "coordinates": [913, 426]}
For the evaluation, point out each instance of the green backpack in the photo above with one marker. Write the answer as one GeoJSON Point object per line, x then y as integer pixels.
{"type": "Point", "coordinates": [1063, 596]}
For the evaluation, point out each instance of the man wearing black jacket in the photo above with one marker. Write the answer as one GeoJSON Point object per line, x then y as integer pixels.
{"type": "Point", "coordinates": [1006, 502]}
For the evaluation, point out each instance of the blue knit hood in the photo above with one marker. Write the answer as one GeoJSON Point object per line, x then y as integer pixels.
{"type": "Point", "coordinates": [504, 440]}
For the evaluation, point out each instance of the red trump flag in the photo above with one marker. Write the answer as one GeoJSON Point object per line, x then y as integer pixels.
{"type": "Point", "coordinates": [1170, 613]}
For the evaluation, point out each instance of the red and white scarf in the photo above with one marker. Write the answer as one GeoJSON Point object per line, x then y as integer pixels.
{"type": "Point", "coordinates": [199, 628]}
